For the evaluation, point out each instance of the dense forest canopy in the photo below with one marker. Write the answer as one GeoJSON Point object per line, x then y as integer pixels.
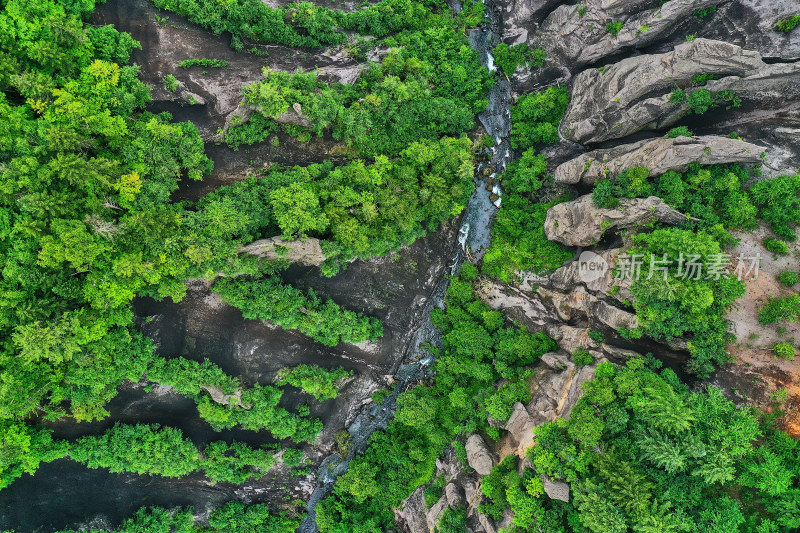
{"type": "Point", "coordinates": [88, 225]}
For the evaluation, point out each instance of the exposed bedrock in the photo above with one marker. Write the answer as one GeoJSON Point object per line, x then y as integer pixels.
{"type": "Point", "coordinates": [577, 36]}
{"type": "Point", "coordinates": [581, 223]}
{"type": "Point", "coordinates": [303, 251]}
{"type": "Point", "coordinates": [634, 94]}
{"type": "Point", "coordinates": [750, 23]}
{"type": "Point", "coordinates": [658, 155]}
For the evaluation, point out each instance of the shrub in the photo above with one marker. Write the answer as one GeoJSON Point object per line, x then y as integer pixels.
{"type": "Point", "coordinates": [705, 12]}
{"type": "Point", "coordinates": [434, 491]}
{"type": "Point", "coordinates": [536, 116]}
{"type": "Point", "coordinates": [582, 357]}
{"type": "Point", "coordinates": [171, 83]}
{"type": "Point", "coordinates": [700, 101]}
{"type": "Point", "coordinates": [680, 131]}
{"type": "Point", "coordinates": [677, 96]}
{"type": "Point", "coordinates": [778, 201]}
{"type": "Point", "coordinates": [604, 194]}
{"type": "Point", "coordinates": [268, 299]}
{"type": "Point", "coordinates": [784, 350]}
{"type": "Point", "coordinates": [203, 62]}
{"type": "Point", "coordinates": [596, 336]}
{"type": "Point", "coordinates": [311, 379]}
{"type": "Point", "coordinates": [787, 24]}
{"type": "Point", "coordinates": [702, 79]}
{"type": "Point", "coordinates": [614, 27]}
{"type": "Point", "coordinates": [785, 309]}
{"type": "Point", "coordinates": [141, 449]}
{"type": "Point", "coordinates": [776, 246]}
{"type": "Point", "coordinates": [789, 278]}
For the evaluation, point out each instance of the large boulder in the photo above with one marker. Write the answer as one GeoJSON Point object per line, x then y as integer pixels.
{"type": "Point", "coordinates": [634, 94]}
{"type": "Point", "coordinates": [581, 223]}
{"type": "Point", "coordinates": [478, 455]}
{"type": "Point", "coordinates": [520, 17]}
{"type": "Point", "coordinates": [576, 35]}
{"type": "Point", "coordinates": [657, 155]}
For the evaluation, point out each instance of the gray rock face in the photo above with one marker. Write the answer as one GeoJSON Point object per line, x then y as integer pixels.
{"type": "Point", "coordinates": [556, 490]}
{"type": "Point", "coordinates": [634, 94]}
{"type": "Point", "coordinates": [576, 35]}
{"type": "Point", "coordinates": [657, 155]}
{"type": "Point", "coordinates": [520, 17]}
{"type": "Point", "coordinates": [478, 455]}
{"type": "Point", "coordinates": [306, 251]}
{"type": "Point", "coordinates": [581, 223]}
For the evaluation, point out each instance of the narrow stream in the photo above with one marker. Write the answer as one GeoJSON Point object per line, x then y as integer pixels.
{"type": "Point", "coordinates": [473, 238]}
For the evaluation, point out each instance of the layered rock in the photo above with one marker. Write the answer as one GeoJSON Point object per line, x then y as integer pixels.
{"type": "Point", "coordinates": [576, 35]}
{"type": "Point", "coordinates": [657, 155]}
{"type": "Point", "coordinates": [634, 94]}
{"type": "Point", "coordinates": [581, 223]}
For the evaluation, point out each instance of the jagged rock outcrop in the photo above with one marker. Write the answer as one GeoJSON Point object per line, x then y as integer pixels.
{"type": "Point", "coordinates": [576, 35]}
{"type": "Point", "coordinates": [657, 155]}
{"type": "Point", "coordinates": [304, 251]}
{"type": "Point", "coordinates": [478, 455]}
{"type": "Point", "coordinates": [514, 302]}
{"type": "Point", "coordinates": [634, 94]}
{"type": "Point", "coordinates": [581, 223]}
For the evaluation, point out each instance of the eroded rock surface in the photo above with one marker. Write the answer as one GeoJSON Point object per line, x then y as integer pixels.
{"type": "Point", "coordinates": [581, 223]}
{"type": "Point", "coordinates": [576, 35]}
{"type": "Point", "coordinates": [658, 155]}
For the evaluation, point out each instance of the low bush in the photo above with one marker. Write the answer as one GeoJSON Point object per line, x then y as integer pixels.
{"type": "Point", "coordinates": [784, 350]}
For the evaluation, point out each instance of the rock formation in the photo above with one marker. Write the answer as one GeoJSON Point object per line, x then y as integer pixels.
{"type": "Point", "coordinates": [581, 223]}
{"type": "Point", "coordinates": [576, 35]}
{"type": "Point", "coordinates": [658, 155]}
